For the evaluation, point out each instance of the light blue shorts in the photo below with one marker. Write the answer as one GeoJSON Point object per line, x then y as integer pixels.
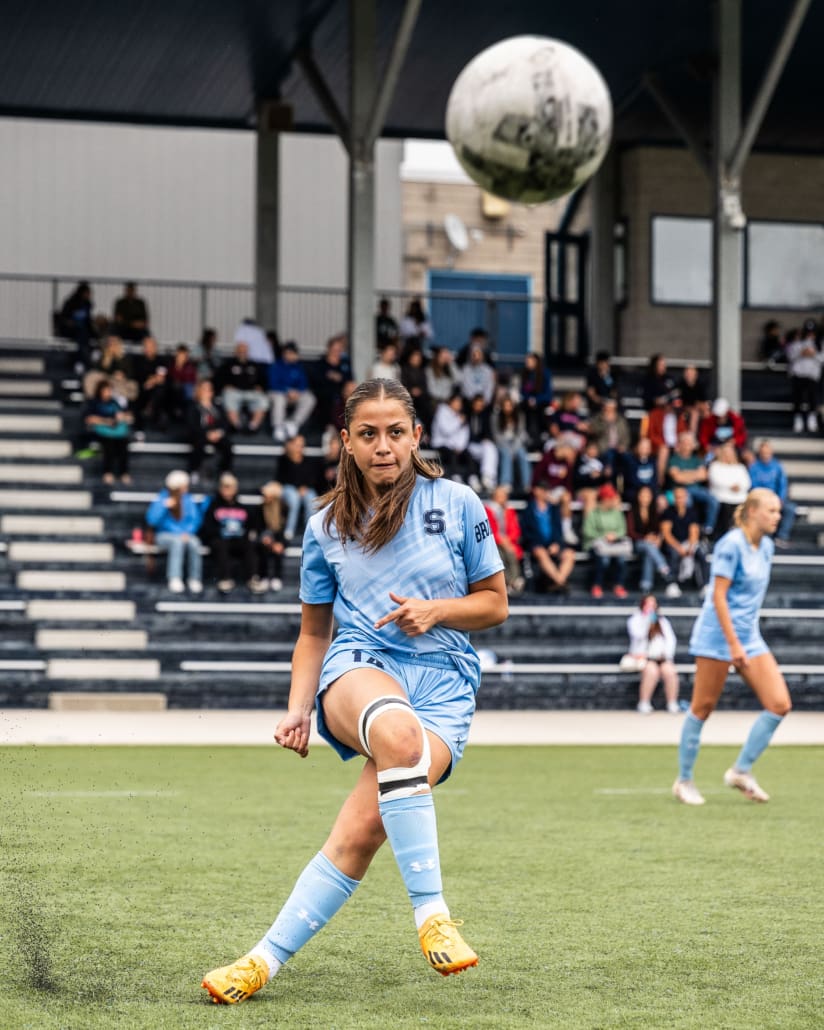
{"type": "Point", "coordinates": [708, 641]}
{"type": "Point", "coordinates": [442, 696]}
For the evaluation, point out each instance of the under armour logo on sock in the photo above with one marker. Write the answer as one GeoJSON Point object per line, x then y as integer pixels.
{"type": "Point", "coordinates": [313, 924]}
{"type": "Point", "coordinates": [419, 867]}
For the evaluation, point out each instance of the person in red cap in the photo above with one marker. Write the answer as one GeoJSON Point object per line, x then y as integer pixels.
{"type": "Point", "coordinates": [605, 537]}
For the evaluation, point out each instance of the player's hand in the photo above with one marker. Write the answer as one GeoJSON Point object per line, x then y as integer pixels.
{"type": "Point", "coordinates": [738, 658]}
{"type": "Point", "coordinates": [292, 732]}
{"type": "Point", "coordinates": [413, 616]}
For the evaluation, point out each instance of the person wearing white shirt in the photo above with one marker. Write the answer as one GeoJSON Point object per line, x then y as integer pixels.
{"type": "Point", "coordinates": [652, 645]}
{"type": "Point", "coordinates": [255, 338]}
{"type": "Point", "coordinates": [729, 483]}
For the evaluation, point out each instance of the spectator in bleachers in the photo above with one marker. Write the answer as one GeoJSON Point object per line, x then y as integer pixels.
{"type": "Point", "coordinates": [333, 371]}
{"type": "Point", "coordinates": [613, 436]}
{"type": "Point", "coordinates": [688, 469]}
{"type": "Point", "coordinates": [271, 547]}
{"type": "Point", "coordinates": [663, 424]}
{"type": "Point", "coordinates": [652, 642]}
{"type": "Point", "coordinates": [591, 473]}
{"type": "Point", "coordinates": [552, 559]}
{"type": "Point", "coordinates": [331, 462]}
{"type": "Point", "coordinates": [477, 377]}
{"type": "Point", "coordinates": [300, 478]}
{"type": "Point", "coordinates": [386, 327]}
{"type": "Point", "coordinates": [602, 383]}
{"type": "Point", "coordinates": [175, 516]}
{"type": "Point", "coordinates": [804, 361]}
{"type": "Point", "coordinates": [109, 422]}
{"type": "Point", "coordinates": [640, 469]}
{"type": "Point", "coordinates": [568, 421]}
{"type": "Point", "coordinates": [720, 425]}
{"type": "Point", "coordinates": [207, 361]}
{"type": "Point", "coordinates": [694, 399]}
{"type": "Point", "coordinates": [506, 532]}
{"type": "Point", "coordinates": [767, 471]}
{"type": "Point", "coordinates": [292, 400]}
{"type": "Point", "coordinates": [414, 378]}
{"type": "Point", "coordinates": [416, 326]}
{"type": "Point", "coordinates": [386, 365]}
{"type": "Point", "coordinates": [681, 534]}
{"type": "Point", "coordinates": [75, 321]}
{"type": "Point", "coordinates": [242, 388]}
{"type": "Point", "coordinates": [207, 426]}
{"type": "Point", "coordinates": [556, 468]}
{"type": "Point", "coordinates": [771, 344]}
{"type": "Point", "coordinates": [180, 383]}
{"type": "Point", "coordinates": [450, 437]}
{"type": "Point", "coordinates": [512, 441]}
{"type": "Point", "coordinates": [481, 441]}
{"type": "Point", "coordinates": [149, 370]}
{"type": "Point", "coordinates": [441, 376]}
{"type": "Point", "coordinates": [258, 345]}
{"type": "Point", "coordinates": [536, 397]}
{"type": "Point", "coordinates": [605, 537]}
{"type": "Point", "coordinates": [644, 529]}
{"type": "Point", "coordinates": [658, 387]}
{"type": "Point", "coordinates": [729, 483]}
{"type": "Point", "coordinates": [130, 318]}
{"type": "Point", "coordinates": [227, 532]}
{"type": "Point", "coordinates": [478, 337]}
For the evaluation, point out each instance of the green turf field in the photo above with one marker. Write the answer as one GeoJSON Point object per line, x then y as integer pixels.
{"type": "Point", "coordinates": [593, 899]}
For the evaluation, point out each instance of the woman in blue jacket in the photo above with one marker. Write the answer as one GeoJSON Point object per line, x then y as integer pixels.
{"type": "Point", "coordinates": [176, 517]}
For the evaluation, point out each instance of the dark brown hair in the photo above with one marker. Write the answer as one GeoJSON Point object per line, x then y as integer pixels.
{"type": "Point", "coordinates": [356, 515]}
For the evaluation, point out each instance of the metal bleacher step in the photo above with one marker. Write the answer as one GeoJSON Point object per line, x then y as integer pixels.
{"type": "Point", "coordinates": [81, 611]}
{"type": "Point", "coordinates": [807, 491]}
{"type": "Point", "coordinates": [22, 366]}
{"type": "Point", "coordinates": [63, 474]}
{"type": "Point", "coordinates": [96, 582]}
{"type": "Point", "coordinates": [91, 640]}
{"type": "Point", "coordinates": [46, 499]}
{"type": "Point", "coordinates": [51, 551]}
{"type": "Point", "coordinates": [46, 424]}
{"type": "Point", "coordinates": [103, 669]}
{"type": "Point", "coordinates": [35, 448]}
{"type": "Point", "coordinates": [51, 525]}
{"type": "Point", "coordinates": [795, 445]}
{"type": "Point", "coordinates": [106, 701]}
{"type": "Point", "coordinates": [25, 388]}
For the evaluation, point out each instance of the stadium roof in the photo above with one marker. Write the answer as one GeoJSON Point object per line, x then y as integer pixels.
{"type": "Point", "coordinates": [206, 62]}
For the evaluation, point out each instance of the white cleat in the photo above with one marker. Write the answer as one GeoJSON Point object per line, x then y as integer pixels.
{"type": "Point", "coordinates": [747, 784]}
{"type": "Point", "coordinates": [687, 793]}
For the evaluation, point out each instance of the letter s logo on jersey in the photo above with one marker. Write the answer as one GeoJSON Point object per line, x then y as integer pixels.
{"type": "Point", "coordinates": [433, 521]}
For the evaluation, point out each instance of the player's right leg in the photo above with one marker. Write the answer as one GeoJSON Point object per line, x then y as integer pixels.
{"type": "Point", "coordinates": [710, 677]}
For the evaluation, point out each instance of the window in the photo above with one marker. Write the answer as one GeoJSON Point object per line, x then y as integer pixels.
{"type": "Point", "coordinates": [785, 265]}
{"type": "Point", "coordinates": [681, 260]}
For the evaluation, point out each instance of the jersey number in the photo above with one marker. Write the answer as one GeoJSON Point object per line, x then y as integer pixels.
{"type": "Point", "coordinates": [357, 656]}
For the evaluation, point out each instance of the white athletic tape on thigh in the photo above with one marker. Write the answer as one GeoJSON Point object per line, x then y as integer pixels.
{"type": "Point", "coordinates": [387, 703]}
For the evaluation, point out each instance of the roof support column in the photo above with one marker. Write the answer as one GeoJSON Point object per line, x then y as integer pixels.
{"type": "Point", "coordinates": [602, 262]}
{"type": "Point", "coordinates": [727, 217]}
{"type": "Point", "coordinates": [267, 215]}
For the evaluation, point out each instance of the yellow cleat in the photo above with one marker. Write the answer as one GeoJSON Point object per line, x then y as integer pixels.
{"type": "Point", "coordinates": [445, 950]}
{"type": "Point", "coordinates": [230, 984]}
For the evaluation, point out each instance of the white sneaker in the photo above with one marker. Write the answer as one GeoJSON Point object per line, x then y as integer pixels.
{"type": "Point", "coordinates": [673, 708]}
{"type": "Point", "coordinates": [225, 585]}
{"type": "Point", "coordinates": [195, 586]}
{"type": "Point", "coordinates": [288, 535]}
{"type": "Point", "coordinates": [276, 584]}
{"type": "Point", "coordinates": [570, 537]}
{"type": "Point", "coordinates": [746, 783]}
{"type": "Point", "coordinates": [812, 422]}
{"type": "Point", "coordinates": [644, 708]}
{"type": "Point", "coordinates": [257, 585]}
{"type": "Point", "coordinates": [673, 590]}
{"type": "Point", "coordinates": [687, 793]}
{"type": "Point", "coordinates": [798, 424]}
{"type": "Point", "coordinates": [176, 585]}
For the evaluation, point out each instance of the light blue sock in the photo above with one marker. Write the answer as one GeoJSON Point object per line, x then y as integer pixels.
{"type": "Point", "coordinates": [688, 748]}
{"type": "Point", "coordinates": [321, 889]}
{"type": "Point", "coordinates": [413, 836]}
{"type": "Point", "coordinates": [760, 735]}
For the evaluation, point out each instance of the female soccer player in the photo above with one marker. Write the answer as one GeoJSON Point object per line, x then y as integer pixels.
{"type": "Point", "coordinates": [405, 563]}
{"type": "Point", "coordinates": [726, 632]}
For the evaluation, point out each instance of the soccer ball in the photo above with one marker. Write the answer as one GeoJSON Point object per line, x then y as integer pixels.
{"type": "Point", "coordinates": [529, 119]}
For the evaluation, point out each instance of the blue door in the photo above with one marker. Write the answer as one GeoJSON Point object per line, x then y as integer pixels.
{"type": "Point", "coordinates": [462, 301]}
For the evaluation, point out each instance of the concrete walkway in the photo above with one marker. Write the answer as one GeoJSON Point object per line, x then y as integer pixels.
{"type": "Point", "coordinates": [214, 727]}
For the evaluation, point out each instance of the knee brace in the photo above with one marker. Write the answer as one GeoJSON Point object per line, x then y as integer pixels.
{"type": "Point", "coordinates": [403, 781]}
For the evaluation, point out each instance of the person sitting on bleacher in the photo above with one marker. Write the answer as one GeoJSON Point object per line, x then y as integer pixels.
{"type": "Point", "coordinates": [130, 319]}
{"type": "Point", "coordinates": [75, 321]}
{"type": "Point", "coordinates": [681, 535]}
{"type": "Point", "coordinates": [658, 387]}
{"type": "Point", "coordinates": [450, 437]}
{"type": "Point", "coordinates": [720, 425]}
{"type": "Point", "coordinates": [149, 370]}
{"type": "Point", "coordinates": [569, 422]}
{"type": "Point", "coordinates": [300, 478]}
{"type": "Point", "coordinates": [175, 516]}
{"type": "Point", "coordinates": [227, 532]}
{"type": "Point", "coordinates": [687, 468]}
{"type": "Point", "coordinates": [729, 483]}
{"type": "Point", "coordinates": [613, 435]}
{"type": "Point", "coordinates": [552, 559]}
{"type": "Point", "coordinates": [506, 532]}
{"type": "Point", "coordinates": [591, 473]}
{"type": "Point", "coordinates": [180, 383]}
{"type": "Point", "coordinates": [602, 383]}
{"type": "Point", "coordinates": [109, 422]}
{"type": "Point", "coordinates": [693, 396]}
{"type": "Point", "coordinates": [663, 426]}
{"type": "Point", "coordinates": [644, 529]}
{"type": "Point", "coordinates": [477, 377]}
{"type": "Point", "coordinates": [292, 400]}
{"type": "Point", "coordinates": [536, 397]}
{"type": "Point", "coordinates": [555, 468]}
{"type": "Point", "coordinates": [241, 385]}
{"type": "Point", "coordinates": [268, 530]}
{"type": "Point", "coordinates": [333, 371]}
{"type": "Point", "coordinates": [605, 537]}
{"type": "Point", "coordinates": [640, 469]}
{"type": "Point", "coordinates": [768, 472]}
{"type": "Point", "coordinates": [207, 426]}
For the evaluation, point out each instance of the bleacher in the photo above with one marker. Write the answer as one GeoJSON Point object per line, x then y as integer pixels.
{"type": "Point", "coordinates": [81, 611]}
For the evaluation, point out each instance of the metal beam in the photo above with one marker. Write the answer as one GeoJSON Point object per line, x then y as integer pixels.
{"type": "Point", "coordinates": [767, 88]}
{"type": "Point", "coordinates": [323, 95]}
{"type": "Point", "coordinates": [670, 110]}
{"type": "Point", "coordinates": [386, 91]}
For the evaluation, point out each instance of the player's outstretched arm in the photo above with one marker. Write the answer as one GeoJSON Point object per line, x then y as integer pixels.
{"type": "Point", "coordinates": [292, 731]}
{"type": "Point", "coordinates": [485, 605]}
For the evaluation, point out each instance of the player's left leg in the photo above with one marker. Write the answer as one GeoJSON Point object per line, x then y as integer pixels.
{"type": "Point", "coordinates": [764, 677]}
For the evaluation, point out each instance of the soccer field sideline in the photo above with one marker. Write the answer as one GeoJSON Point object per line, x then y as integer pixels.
{"type": "Point", "coordinates": [241, 727]}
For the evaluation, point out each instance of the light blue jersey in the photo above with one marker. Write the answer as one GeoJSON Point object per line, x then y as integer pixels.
{"type": "Point", "coordinates": [748, 570]}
